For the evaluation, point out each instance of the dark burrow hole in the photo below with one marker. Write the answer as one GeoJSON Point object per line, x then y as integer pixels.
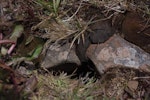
{"type": "Point", "coordinates": [87, 69]}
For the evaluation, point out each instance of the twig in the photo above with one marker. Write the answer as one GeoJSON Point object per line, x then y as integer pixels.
{"type": "Point", "coordinates": [103, 19]}
{"type": "Point", "coordinates": [148, 77]}
{"type": "Point", "coordinates": [74, 13]}
{"type": "Point", "coordinates": [6, 41]}
{"type": "Point", "coordinates": [11, 49]}
{"type": "Point", "coordinates": [84, 29]}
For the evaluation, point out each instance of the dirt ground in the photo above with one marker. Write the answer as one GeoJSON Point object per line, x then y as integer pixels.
{"type": "Point", "coordinates": [28, 27]}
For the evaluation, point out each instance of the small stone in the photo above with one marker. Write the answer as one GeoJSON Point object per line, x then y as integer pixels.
{"type": "Point", "coordinates": [133, 85]}
{"type": "Point", "coordinates": [57, 54]}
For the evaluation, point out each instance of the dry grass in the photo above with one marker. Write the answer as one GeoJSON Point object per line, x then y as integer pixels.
{"type": "Point", "coordinates": [63, 88]}
{"type": "Point", "coordinates": [65, 26]}
{"type": "Point", "coordinates": [62, 26]}
{"type": "Point", "coordinates": [56, 24]}
{"type": "Point", "coordinates": [116, 84]}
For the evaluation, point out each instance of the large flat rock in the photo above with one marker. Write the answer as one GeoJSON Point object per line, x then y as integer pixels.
{"type": "Point", "coordinates": [117, 51]}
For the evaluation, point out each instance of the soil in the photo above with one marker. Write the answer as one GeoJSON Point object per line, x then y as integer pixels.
{"type": "Point", "coordinates": [130, 21]}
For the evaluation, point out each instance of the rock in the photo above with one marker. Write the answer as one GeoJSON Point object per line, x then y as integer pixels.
{"type": "Point", "coordinates": [100, 32]}
{"type": "Point", "coordinates": [59, 54]}
{"type": "Point", "coordinates": [117, 51]}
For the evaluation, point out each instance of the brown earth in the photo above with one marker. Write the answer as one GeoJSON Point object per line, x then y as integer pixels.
{"type": "Point", "coordinates": [132, 23]}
